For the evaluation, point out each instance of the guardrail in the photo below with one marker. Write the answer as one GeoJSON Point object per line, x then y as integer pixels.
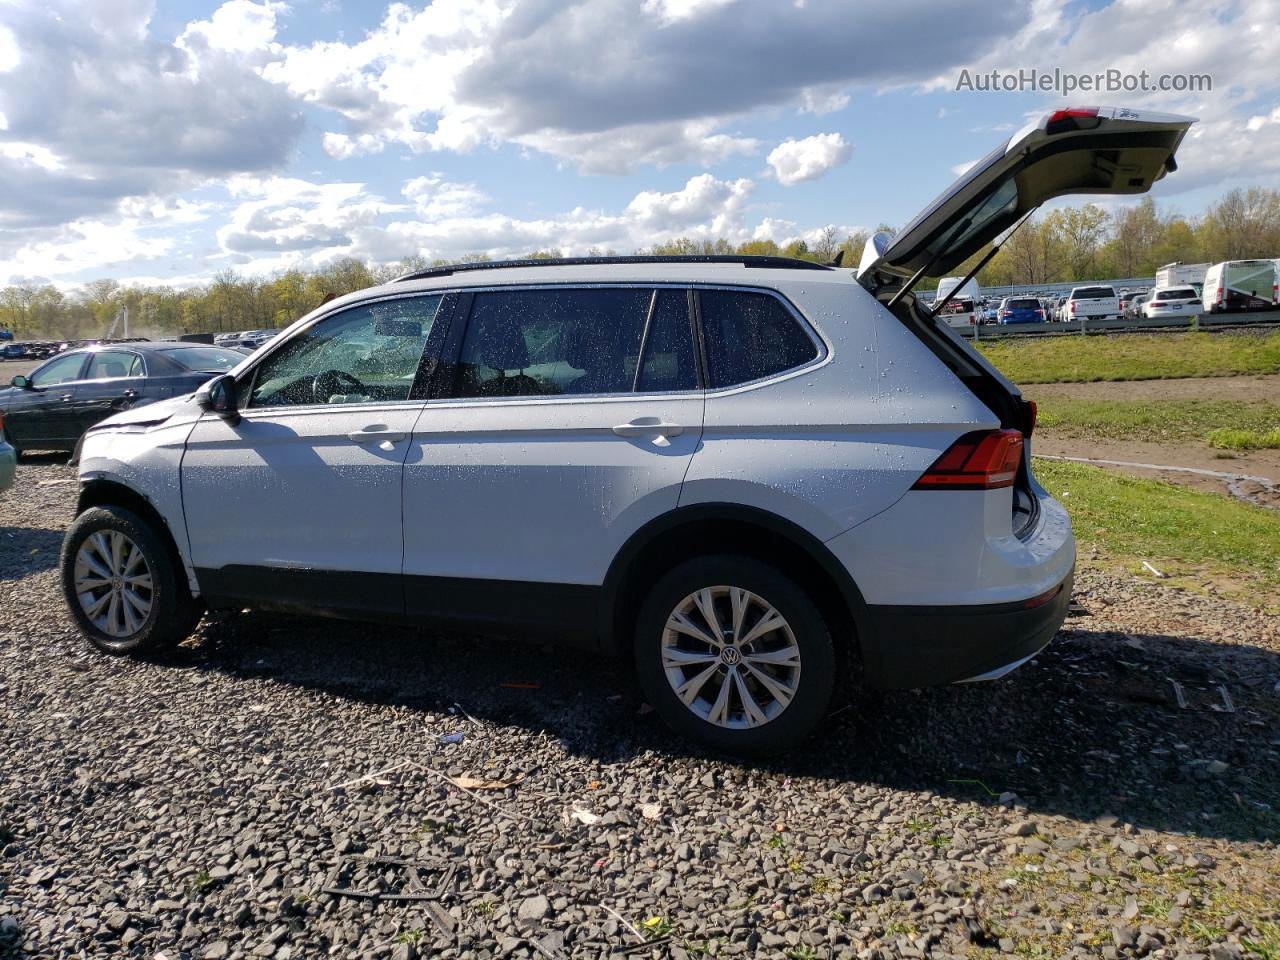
{"type": "Point", "coordinates": [1086, 327]}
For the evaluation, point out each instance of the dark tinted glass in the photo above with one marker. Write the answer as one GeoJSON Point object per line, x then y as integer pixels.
{"type": "Point", "coordinates": [1092, 293]}
{"type": "Point", "coordinates": [668, 355]}
{"type": "Point", "coordinates": [749, 336]}
{"type": "Point", "coordinates": [534, 343]}
{"type": "Point", "coordinates": [1024, 303]}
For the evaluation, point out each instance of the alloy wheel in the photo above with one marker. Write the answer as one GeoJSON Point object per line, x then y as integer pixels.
{"type": "Point", "coordinates": [731, 657]}
{"type": "Point", "coordinates": [113, 583]}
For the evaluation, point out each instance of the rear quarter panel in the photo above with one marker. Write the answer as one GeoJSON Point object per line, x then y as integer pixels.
{"type": "Point", "coordinates": [843, 439]}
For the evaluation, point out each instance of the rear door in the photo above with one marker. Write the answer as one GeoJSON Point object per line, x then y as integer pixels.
{"type": "Point", "coordinates": [1109, 150]}
{"type": "Point", "coordinates": [566, 423]}
{"type": "Point", "coordinates": [113, 381]}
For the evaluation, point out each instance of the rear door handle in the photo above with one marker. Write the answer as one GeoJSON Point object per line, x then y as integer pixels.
{"type": "Point", "coordinates": [376, 435]}
{"type": "Point", "coordinates": [648, 426]}
{"type": "Point", "coordinates": [66, 398]}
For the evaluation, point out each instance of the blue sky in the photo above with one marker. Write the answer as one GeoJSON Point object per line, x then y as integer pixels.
{"type": "Point", "coordinates": [164, 142]}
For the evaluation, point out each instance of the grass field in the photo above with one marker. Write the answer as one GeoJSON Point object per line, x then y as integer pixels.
{"type": "Point", "coordinates": [1070, 359]}
{"type": "Point", "coordinates": [1179, 530]}
{"type": "Point", "coordinates": [1225, 424]}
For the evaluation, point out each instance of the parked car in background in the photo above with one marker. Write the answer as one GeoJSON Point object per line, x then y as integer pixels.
{"type": "Point", "coordinates": [1020, 310]}
{"type": "Point", "coordinates": [1097, 302]}
{"type": "Point", "coordinates": [8, 460]}
{"type": "Point", "coordinates": [50, 408]}
{"type": "Point", "coordinates": [13, 351]}
{"type": "Point", "coordinates": [1236, 285]}
{"type": "Point", "coordinates": [6, 334]}
{"type": "Point", "coordinates": [1133, 310]}
{"type": "Point", "coordinates": [1171, 302]}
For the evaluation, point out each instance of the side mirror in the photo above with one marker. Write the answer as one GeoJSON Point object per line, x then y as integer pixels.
{"type": "Point", "coordinates": [22, 383]}
{"type": "Point", "coordinates": [220, 396]}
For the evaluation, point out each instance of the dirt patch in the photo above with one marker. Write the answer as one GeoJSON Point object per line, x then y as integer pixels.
{"type": "Point", "coordinates": [1264, 464]}
{"type": "Point", "coordinates": [1259, 387]}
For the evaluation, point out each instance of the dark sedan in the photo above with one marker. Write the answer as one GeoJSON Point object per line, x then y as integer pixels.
{"type": "Point", "coordinates": [58, 401]}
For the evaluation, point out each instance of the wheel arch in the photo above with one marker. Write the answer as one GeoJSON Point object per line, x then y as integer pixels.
{"type": "Point", "coordinates": [729, 527]}
{"type": "Point", "coordinates": [105, 492]}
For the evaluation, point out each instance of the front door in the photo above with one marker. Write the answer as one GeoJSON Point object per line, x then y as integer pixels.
{"type": "Point", "coordinates": [40, 416]}
{"type": "Point", "coordinates": [570, 422]}
{"type": "Point", "coordinates": [297, 505]}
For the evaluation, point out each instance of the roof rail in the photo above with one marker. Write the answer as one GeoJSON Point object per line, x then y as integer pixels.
{"type": "Point", "coordinates": [767, 263]}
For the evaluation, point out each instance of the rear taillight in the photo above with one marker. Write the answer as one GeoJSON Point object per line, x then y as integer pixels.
{"type": "Point", "coordinates": [1006, 313]}
{"type": "Point", "coordinates": [985, 460]}
{"type": "Point", "coordinates": [1219, 297]}
{"type": "Point", "coordinates": [1073, 308]}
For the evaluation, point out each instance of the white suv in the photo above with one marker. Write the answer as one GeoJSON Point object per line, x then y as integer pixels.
{"type": "Point", "coordinates": [750, 477]}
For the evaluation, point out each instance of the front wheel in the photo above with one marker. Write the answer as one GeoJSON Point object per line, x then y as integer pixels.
{"type": "Point", "coordinates": [122, 585]}
{"type": "Point", "coordinates": [735, 655]}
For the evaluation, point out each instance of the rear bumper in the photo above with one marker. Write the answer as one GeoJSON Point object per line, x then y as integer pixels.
{"type": "Point", "coordinates": [919, 646]}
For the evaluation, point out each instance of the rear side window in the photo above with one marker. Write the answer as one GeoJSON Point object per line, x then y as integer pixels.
{"type": "Point", "coordinates": [553, 342]}
{"type": "Point", "coordinates": [669, 362]}
{"type": "Point", "coordinates": [750, 336]}
{"type": "Point", "coordinates": [113, 365]}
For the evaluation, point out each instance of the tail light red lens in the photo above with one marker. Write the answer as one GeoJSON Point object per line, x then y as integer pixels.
{"type": "Point", "coordinates": [1072, 118]}
{"type": "Point", "coordinates": [984, 460]}
{"type": "Point", "coordinates": [1219, 295]}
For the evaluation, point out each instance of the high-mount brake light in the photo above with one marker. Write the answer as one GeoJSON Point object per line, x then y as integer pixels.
{"type": "Point", "coordinates": [1072, 118]}
{"type": "Point", "coordinates": [983, 460]}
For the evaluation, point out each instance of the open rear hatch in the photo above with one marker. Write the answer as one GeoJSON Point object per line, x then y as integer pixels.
{"type": "Point", "coordinates": [1078, 150]}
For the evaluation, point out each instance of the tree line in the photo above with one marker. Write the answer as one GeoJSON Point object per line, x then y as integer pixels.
{"type": "Point", "coordinates": [1074, 243]}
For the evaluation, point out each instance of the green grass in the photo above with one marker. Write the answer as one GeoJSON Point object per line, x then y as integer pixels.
{"type": "Point", "coordinates": [1225, 424]}
{"type": "Point", "coordinates": [1229, 438]}
{"type": "Point", "coordinates": [1070, 359]}
{"type": "Point", "coordinates": [1179, 530]}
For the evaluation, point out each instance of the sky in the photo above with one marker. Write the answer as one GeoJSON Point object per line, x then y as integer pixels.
{"type": "Point", "coordinates": [165, 142]}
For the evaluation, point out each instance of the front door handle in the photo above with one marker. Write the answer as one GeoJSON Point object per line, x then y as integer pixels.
{"type": "Point", "coordinates": [378, 434]}
{"type": "Point", "coordinates": [66, 398]}
{"type": "Point", "coordinates": [648, 427]}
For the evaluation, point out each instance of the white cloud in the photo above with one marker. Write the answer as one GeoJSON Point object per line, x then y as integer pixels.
{"type": "Point", "coordinates": [615, 84]}
{"type": "Point", "coordinates": [795, 161]}
{"type": "Point", "coordinates": [285, 215]}
{"type": "Point", "coordinates": [435, 197]}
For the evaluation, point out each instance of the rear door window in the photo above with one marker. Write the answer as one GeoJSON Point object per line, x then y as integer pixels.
{"type": "Point", "coordinates": [750, 336]}
{"type": "Point", "coordinates": [114, 365]}
{"type": "Point", "coordinates": [569, 341]}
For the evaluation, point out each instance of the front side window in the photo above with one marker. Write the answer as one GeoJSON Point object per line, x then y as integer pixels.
{"type": "Point", "coordinates": [553, 342]}
{"type": "Point", "coordinates": [750, 336]}
{"type": "Point", "coordinates": [62, 370]}
{"type": "Point", "coordinates": [367, 354]}
{"type": "Point", "coordinates": [114, 365]}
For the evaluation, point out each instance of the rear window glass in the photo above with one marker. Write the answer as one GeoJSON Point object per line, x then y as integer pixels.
{"type": "Point", "coordinates": [203, 359]}
{"type": "Point", "coordinates": [1182, 293]}
{"type": "Point", "coordinates": [1090, 293]}
{"type": "Point", "coordinates": [750, 336]}
{"type": "Point", "coordinates": [1024, 303]}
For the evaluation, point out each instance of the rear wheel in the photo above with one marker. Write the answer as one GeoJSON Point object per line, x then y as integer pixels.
{"type": "Point", "coordinates": [735, 655]}
{"type": "Point", "coordinates": [122, 586]}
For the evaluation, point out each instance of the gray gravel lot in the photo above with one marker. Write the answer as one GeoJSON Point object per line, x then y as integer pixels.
{"type": "Point", "coordinates": [201, 804]}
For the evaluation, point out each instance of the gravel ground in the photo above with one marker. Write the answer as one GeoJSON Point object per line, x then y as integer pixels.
{"type": "Point", "coordinates": [203, 804]}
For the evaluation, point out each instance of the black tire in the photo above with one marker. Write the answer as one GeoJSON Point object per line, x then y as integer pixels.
{"type": "Point", "coordinates": [173, 612]}
{"type": "Point", "coordinates": [813, 684]}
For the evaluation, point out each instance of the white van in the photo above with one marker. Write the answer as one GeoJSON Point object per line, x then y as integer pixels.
{"type": "Point", "coordinates": [1179, 274]}
{"type": "Point", "coordinates": [1240, 285]}
{"type": "Point", "coordinates": [963, 309]}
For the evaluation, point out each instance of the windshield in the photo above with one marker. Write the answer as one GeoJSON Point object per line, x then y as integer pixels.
{"type": "Point", "coordinates": [205, 358]}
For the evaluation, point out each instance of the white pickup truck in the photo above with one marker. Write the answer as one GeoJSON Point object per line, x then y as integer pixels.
{"type": "Point", "coordinates": [1092, 303]}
